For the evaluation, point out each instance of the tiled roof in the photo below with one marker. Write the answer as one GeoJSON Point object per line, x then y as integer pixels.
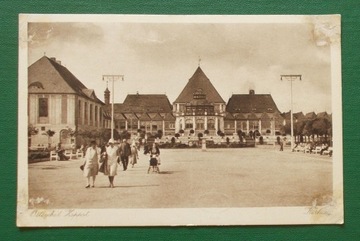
{"type": "Point", "coordinates": [298, 115]}
{"type": "Point", "coordinates": [155, 117]}
{"type": "Point", "coordinates": [140, 103]}
{"type": "Point", "coordinates": [143, 117]}
{"type": "Point", "coordinates": [229, 116]}
{"type": "Point", "coordinates": [73, 82]}
{"type": "Point", "coordinates": [252, 116]}
{"type": "Point", "coordinates": [199, 82]}
{"type": "Point", "coordinates": [246, 103]}
{"type": "Point", "coordinates": [265, 116]}
{"type": "Point", "coordinates": [169, 117]}
{"type": "Point", "coordinates": [239, 116]}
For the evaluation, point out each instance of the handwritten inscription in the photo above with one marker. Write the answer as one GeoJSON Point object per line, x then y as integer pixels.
{"type": "Point", "coordinates": [70, 213]}
{"type": "Point", "coordinates": [319, 211]}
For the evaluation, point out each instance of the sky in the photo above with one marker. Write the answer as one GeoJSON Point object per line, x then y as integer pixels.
{"type": "Point", "coordinates": [159, 58]}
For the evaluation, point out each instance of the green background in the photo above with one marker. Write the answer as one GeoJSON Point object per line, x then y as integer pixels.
{"type": "Point", "coordinates": [350, 11]}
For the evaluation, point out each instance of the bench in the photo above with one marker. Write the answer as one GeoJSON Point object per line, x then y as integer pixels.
{"type": "Point", "coordinates": [317, 150]}
{"type": "Point", "coordinates": [54, 155]}
{"type": "Point", "coordinates": [69, 153]}
{"type": "Point", "coordinates": [328, 151]}
{"type": "Point", "coordinates": [79, 153]}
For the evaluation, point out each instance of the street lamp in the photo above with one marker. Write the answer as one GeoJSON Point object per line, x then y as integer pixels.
{"type": "Point", "coordinates": [112, 78]}
{"type": "Point", "coordinates": [291, 78]}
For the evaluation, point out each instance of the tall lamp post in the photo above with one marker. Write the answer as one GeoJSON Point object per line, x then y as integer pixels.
{"type": "Point", "coordinates": [112, 78]}
{"type": "Point", "coordinates": [291, 78]}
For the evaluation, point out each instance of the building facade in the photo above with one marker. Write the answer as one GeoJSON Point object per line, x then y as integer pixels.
{"type": "Point", "coordinates": [58, 102]}
{"type": "Point", "coordinates": [199, 107]}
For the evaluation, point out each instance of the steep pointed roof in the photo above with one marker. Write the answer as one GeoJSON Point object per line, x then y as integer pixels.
{"type": "Point", "coordinates": [48, 76]}
{"type": "Point", "coordinates": [201, 84]}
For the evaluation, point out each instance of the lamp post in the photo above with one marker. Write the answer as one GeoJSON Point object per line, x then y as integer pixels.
{"type": "Point", "coordinates": [291, 78]}
{"type": "Point", "coordinates": [112, 78]}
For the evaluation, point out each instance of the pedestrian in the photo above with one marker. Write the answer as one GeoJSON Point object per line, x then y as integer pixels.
{"type": "Point", "coordinates": [154, 157]}
{"type": "Point", "coordinates": [134, 154]}
{"type": "Point", "coordinates": [281, 145]}
{"type": "Point", "coordinates": [112, 158]}
{"type": "Point", "coordinates": [124, 153]}
{"type": "Point", "coordinates": [91, 165]}
{"type": "Point", "coordinates": [60, 151]}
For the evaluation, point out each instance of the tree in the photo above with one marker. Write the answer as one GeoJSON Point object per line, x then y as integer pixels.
{"type": "Point", "coordinates": [192, 131]}
{"type": "Point", "coordinates": [105, 135]}
{"type": "Point", "coordinates": [200, 135]}
{"type": "Point", "coordinates": [218, 132]}
{"type": "Point", "coordinates": [177, 135]}
{"type": "Point", "coordinates": [181, 131]}
{"type": "Point", "coordinates": [206, 132]}
{"type": "Point", "coordinates": [321, 126]}
{"type": "Point", "coordinates": [31, 132]}
{"type": "Point", "coordinates": [159, 134]}
{"type": "Point", "coordinates": [49, 133]}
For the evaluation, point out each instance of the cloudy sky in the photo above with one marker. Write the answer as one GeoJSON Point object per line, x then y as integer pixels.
{"type": "Point", "coordinates": [161, 57]}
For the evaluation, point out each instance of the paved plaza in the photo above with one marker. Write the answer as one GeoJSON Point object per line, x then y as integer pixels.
{"type": "Point", "coordinates": [246, 177]}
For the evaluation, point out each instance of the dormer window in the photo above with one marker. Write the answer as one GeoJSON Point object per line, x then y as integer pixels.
{"type": "Point", "coordinates": [198, 94]}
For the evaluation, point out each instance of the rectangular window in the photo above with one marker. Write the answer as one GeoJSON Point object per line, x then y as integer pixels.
{"type": "Point", "coordinates": [43, 107]}
{"type": "Point", "coordinates": [96, 116]}
{"type": "Point", "coordinates": [91, 114]}
{"type": "Point", "coordinates": [63, 109]}
{"type": "Point", "coordinates": [80, 114]}
{"type": "Point", "coordinates": [86, 113]}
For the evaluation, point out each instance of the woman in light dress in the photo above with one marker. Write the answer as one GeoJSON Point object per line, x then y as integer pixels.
{"type": "Point", "coordinates": [112, 161]}
{"type": "Point", "coordinates": [134, 154]}
{"type": "Point", "coordinates": [91, 165]}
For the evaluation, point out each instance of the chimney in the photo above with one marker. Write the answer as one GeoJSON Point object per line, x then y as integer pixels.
{"type": "Point", "coordinates": [107, 96]}
{"type": "Point", "coordinates": [53, 59]}
{"type": "Point", "coordinates": [58, 61]}
{"type": "Point", "coordinates": [251, 92]}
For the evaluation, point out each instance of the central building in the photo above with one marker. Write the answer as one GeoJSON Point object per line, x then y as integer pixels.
{"type": "Point", "coordinates": [199, 108]}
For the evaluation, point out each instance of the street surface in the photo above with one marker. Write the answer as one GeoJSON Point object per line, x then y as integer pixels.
{"type": "Point", "coordinates": [246, 177]}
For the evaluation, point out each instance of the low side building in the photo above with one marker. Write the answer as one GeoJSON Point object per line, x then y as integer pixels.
{"type": "Point", "coordinates": [147, 112]}
{"type": "Point", "coordinates": [252, 113]}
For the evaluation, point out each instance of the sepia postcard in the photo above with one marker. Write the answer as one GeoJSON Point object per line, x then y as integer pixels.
{"type": "Point", "coordinates": [179, 120]}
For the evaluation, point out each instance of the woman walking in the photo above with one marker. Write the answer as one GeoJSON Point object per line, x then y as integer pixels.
{"type": "Point", "coordinates": [134, 154]}
{"type": "Point", "coordinates": [91, 166]}
{"type": "Point", "coordinates": [112, 161]}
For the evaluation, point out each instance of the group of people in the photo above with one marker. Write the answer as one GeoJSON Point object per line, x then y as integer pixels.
{"type": "Point", "coordinates": [107, 158]}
